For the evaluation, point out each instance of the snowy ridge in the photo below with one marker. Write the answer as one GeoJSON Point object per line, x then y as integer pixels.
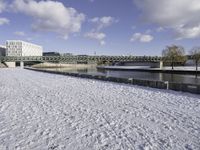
{"type": "Point", "coordinates": [43, 111]}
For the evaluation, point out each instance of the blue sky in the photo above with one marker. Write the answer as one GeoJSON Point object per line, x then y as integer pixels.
{"type": "Point", "coordinates": [107, 27]}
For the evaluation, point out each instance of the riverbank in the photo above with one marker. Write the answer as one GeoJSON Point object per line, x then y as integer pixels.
{"type": "Point", "coordinates": [48, 111]}
{"type": "Point", "coordinates": [176, 70]}
{"type": "Point", "coordinates": [184, 87]}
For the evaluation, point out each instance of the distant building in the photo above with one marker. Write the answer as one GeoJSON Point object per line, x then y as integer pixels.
{"type": "Point", "coordinates": [82, 55]}
{"type": "Point", "coordinates": [21, 48]}
{"type": "Point", "coordinates": [51, 54]}
{"type": "Point", "coordinates": [2, 50]}
{"type": "Point", "coordinates": [66, 54]}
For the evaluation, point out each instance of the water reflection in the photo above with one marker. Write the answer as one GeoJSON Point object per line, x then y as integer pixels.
{"type": "Point", "coordinates": [179, 78]}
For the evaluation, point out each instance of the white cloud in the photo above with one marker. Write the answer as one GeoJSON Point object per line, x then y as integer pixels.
{"type": "Point", "coordinates": [160, 29]}
{"type": "Point", "coordinates": [2, 5]}
{"type": "Point", "coordinates": [97, 36]}
{"type": "Point", "coordinates": [148, 31]}
{"type": "Point", "coordinates": [103, 22]}
{"type": "Point", "coordinates": [2, 8]}
{"type": "Point", "coordinates": [19, 33]}
{"type": "Point", "coordinates": [145, 38]}
{"type": "Point", "coordinates": [182, 16]}
{"type": "Point", "coordinates": [102, 42]}
{"type": "Point", "coordinates": [4, 21]}
{"type": "Point", "coordinates": [191, 32]}
{"type": "Point", "coordinates": [51, 16]}
{"type": "Point", "coordinates": [100, 23]}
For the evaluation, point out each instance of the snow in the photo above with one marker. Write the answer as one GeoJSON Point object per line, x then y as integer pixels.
{"type": "Point", "coordinates": [43, 111]}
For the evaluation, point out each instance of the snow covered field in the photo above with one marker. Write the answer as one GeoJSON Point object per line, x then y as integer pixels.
{"type": "Point", "coordinates": [44, 112]}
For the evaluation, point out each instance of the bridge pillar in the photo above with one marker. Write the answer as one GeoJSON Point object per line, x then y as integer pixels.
{"type": "Point", "coordinates": [161, 64]}
{"type": "Point", "coordinates": [22, 64]}
{"type": "Point", "coordinates": [10, 64]}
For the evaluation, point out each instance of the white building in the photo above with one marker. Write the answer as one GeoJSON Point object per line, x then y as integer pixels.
{"type": "Point", "coordinates": [21, 48]}
{"type": "Point", "coordinates": [2, 50]}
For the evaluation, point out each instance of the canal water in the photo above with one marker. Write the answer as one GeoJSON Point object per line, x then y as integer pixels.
{"type": "Point", "coordinates": [177, 78]}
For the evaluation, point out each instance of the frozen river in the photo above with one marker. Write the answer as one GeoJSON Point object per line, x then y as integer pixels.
{"type": "Point", "coordinates": [42, 111]}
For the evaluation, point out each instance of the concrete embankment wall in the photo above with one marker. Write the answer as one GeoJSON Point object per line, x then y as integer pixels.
{"type": "Point", "coordinates": [56, 65]}
{"type": "Point", "coordinates": [10, 64]}
{"type": "Point", "coordinates": [191, 88]}
{"type": "Point", "coordinates": [122, 68]}
{"type": "Point", "coordinates": [2, 65]}
{"type": "Point", "coordinates": [150, 64]}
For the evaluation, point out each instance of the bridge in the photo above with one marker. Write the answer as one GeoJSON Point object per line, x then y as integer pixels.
{"type": "Point", "coordinates": [75, 59]}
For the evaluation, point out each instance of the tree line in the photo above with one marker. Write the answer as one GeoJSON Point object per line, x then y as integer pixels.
{"type": "Point", "coordinates": [173, 54]}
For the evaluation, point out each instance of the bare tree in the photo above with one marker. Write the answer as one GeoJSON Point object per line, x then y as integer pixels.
{"type": "Point", "coordinates": [195, 52]}
{"type": "Point", "coordinates": [173, 54]}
